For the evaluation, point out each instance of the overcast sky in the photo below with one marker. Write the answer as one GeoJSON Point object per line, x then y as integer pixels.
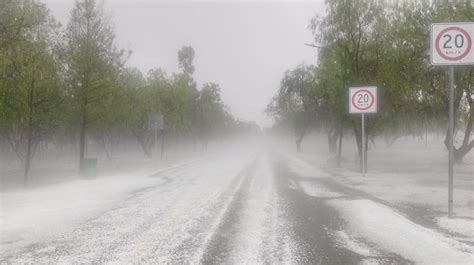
{"type": "Point", "coordinates": [245, 47]}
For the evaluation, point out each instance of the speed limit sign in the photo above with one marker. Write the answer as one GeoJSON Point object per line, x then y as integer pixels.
{"type": "Point", "coordinates": [363, 99]}
{"type": "Point", "coordinates": [452, 43]}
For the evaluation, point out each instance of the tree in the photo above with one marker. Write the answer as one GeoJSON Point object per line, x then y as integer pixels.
{"type": "Point", "coordinates": [185, 62]}
{"type": "Point", "coordinates": [211, 114]}
{"type": "Point", "coordinates": [138, 103]}
{"type": "Point", "coordinates": [355, 31]}
{"type": "Point", "coordinates": [53, 85]}
{"type": "Point", "coordinates": [30, 85]}
{"type": "Point", "coordinates": [464, 78]}
{"type": "Point", "coordinates": [333, 86]}
{"type": "Point", "coordinates": [93, 63]}
{"type": "Point", "coordinates": [299, 103]}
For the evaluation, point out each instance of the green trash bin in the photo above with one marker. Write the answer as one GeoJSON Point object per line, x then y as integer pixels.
{"type": "Point", "coordinates": [88, 168]}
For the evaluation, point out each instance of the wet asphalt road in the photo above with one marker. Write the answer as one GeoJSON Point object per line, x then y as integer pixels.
{"type": "Point", "coordinates": [314, 222]}
{"type": "Point", "coordinates": [260, 215]}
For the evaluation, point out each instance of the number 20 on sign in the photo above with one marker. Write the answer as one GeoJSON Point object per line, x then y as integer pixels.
{"type": "Point", "coordinates": [451, 43]}
{"type": "Point", "coordinates": [363, 99]}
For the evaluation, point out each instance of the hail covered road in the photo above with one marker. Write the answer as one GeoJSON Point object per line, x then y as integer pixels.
{"type": "Point", "coordinates": [241, 207]}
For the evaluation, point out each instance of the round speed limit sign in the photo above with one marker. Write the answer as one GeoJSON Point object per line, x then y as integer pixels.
{"type": "Point", "coordinates": [363, 99]}
{"type": "Point", "coordinates": [452, 43]}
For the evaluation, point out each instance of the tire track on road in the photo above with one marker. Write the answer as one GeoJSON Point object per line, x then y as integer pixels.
{"type": "Point", "coordinates": [157, 210]}
{"type": "Point", "coordinates": [323, 223]}
{"type": "Point", "coordinates": [253, 229]}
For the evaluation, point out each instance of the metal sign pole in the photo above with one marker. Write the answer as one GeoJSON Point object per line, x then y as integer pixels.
{"type": "Point", "coordinates": [363, 144]}
{"type": "Point", "coordinates": [162, 143]}
{"type": "Point", "coordinates": [363, 100]}
{"type": "Point", "coordinates": [451, 44]}
{"type": "Point", "coordinates": [451, 140]}
{"type": "Point", "coordinates": [156, 141]}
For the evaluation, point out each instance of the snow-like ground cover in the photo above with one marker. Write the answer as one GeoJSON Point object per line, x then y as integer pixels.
{"type": "Point", "coordinates": [250, 239]}
{"type": "Point", "coordinates": [301, 167]}
{"type": "Point", "coordinates": [385, 227]}
{"type": "Point", "coordinates": [55, 167]}
{"type": "Point", "coordinates": [227, 202]}
{"type": "Point", "coordinates": [462, 227]}
{"type": "Point", "coordinates": [262, 235]}
{"type": "Point", "coordinates": [408, 174]}
{"type": "Point", "coordinates": [182, 213]}
{"type": "Point", "coordinates": [394, 232]}
{"type": "Point", "coordinates": [153, 215]}
{"type": "Point", "coordinates": [349, 242]}
{"type": "Point", "coordinates": [318, 191]}
{"type": "Point", "coordinates": [171, 216]}
{"type": "Point", "coordinates": [37, 212]}
{"type": "Point", "coordinates": [423, 188]}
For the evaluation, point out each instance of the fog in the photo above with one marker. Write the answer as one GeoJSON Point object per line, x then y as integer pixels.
{"type": "Point", "coordinates": [243, 46]}
{"type": "Point", "coordinates": [233, 132]}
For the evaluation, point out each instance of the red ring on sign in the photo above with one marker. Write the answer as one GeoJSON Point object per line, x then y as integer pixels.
{"type": "Point", "coordinates": [359, 91]}
{"type": "Point", "coordinates": [468, 49]}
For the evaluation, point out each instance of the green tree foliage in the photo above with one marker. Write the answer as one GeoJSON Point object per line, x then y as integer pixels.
{"type": "Point", "coordinates": [184, 82]}
{"type": "Point", "coordinates": [56, 82]}
{"type": "Point", "coordinates": [32, 99]}
{"type": "Point", "coordinates": [186, 110]}
{"type": "Point", "coordinates": [138, 104]}
{"type": "Point", "coordinates": [299, 103]}
{"type": "Point", "coordinates": [93, 63]}
{"type": "Point", "coordinates": [211, 113]}
{"type": "Point", "coordinates": [386, 44]}
{"type": "Point", "coordinates": [353, 30]}
{"type": "Point", "coordinates": [464, 79]}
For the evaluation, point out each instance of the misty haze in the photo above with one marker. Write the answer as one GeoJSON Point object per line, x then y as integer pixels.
{"type": "Point", "coordinates": [236, 132]}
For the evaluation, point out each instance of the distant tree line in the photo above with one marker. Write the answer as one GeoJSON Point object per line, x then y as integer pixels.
{"type": "Point", "coordinates": [61, 85]}
{"type": "Point", "coordinates": [385, 44]}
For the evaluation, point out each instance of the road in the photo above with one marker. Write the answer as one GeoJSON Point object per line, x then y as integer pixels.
{"type": "Point", "coordinates": [222, 210]}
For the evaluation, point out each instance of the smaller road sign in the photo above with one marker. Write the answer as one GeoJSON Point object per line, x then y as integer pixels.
{"type": "Point", "coordinates": [452, 43]}
{"type": "Point", "coordinates": [156, 122]}
{"type": "Point", "coordinates": [363, 99]}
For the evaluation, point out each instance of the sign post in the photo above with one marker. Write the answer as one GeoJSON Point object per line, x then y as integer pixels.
{"type": "Point", "coordinates": [363, 100]}
{"type": "Point", "coordinates": [156, 123]}
{"type": "Point", "coordinates": [451, 45]}
{"type": "Point", "coordinates": [363, 145]}
{"type": "Point", "coordinates": [451, 142]}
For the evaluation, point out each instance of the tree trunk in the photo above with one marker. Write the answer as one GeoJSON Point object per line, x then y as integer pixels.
{"type": "Point", "coordinates": [358, 136]}
{"type": "Point", "coordinates": [339, 149]}
{"type": "Point", "coordinates": [366, 143]}
{"type": "Point", "coordinates": [82, 132]}
{"type": "Point", "coordinates": [162, 138]}
{"type": "Point", "coordinates": [144, 142]}
{"type": "Point", "coordinates": [29, 136]}
{"type": "Point", "coordinates": [83, 113]}
{"type": "Point", "coordinates": [104, 146]}
{"type": "Point", "coordinates": [299, 140]}
{"type": "Point", "coordinates": [146, 148]}
{"type": "Point", "coordinates": [28, 155]}
{"type": "Point", "coordinates": [426, 136]}
{"type": "Point", "coordinates": [333, 135]}
{"type": "Point", "coordinates": [466, 146]}
{"type": "Point", "coordinates": [372, 141]}
{"type": "Point", "coordinates": [390, 140]}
